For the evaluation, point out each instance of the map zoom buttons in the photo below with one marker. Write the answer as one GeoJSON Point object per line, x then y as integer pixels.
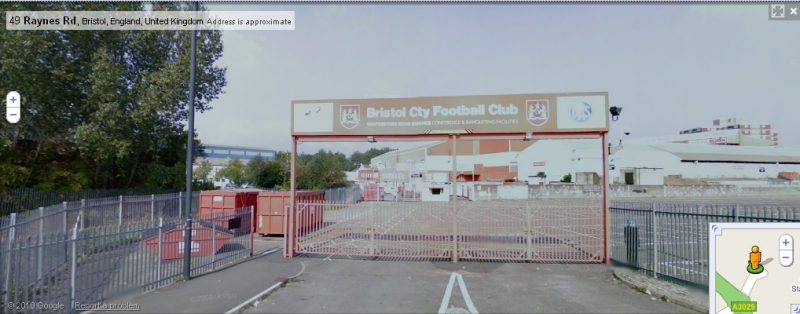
{"type": "Point", "coordinates": [795, 309]}
{"type": "Point", "coordinates": [786, 258]}
{"type": "Point", "coordinates": [13, 104]}
{"type": "Point", "coordinates": [786, 243]}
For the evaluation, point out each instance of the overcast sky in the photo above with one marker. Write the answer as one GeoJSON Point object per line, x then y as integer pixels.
{"type": "Point", "coordinates": [671, 67]}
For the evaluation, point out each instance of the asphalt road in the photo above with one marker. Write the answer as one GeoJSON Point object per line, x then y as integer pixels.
{"type": "Point", "coordinates": [347, 286]}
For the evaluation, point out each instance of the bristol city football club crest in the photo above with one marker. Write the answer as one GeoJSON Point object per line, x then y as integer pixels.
{"type": "Point", "coordinates": [349, 115]}
{"type": "Point", "coordinates": [537, 111]}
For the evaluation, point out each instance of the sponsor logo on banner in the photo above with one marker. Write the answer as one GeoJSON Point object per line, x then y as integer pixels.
{"type": "Point", "coordinates": [581, 112]}
{"type": "Point", "coordinates": [538, 164]}
{"type": "Point", "coordinates": [537, 111]}
{"type": "Point", "coordinates": [762, 169]}
{"type": "Point", "coordinates": [349, 116]}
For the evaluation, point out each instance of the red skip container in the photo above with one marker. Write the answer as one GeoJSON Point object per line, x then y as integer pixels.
{"type": "Point", "coordinates": [203, 242]}
{"type": "Point", "coordinates": [227, 203]}
{"type": "Point", "coordinates": [273, 208]}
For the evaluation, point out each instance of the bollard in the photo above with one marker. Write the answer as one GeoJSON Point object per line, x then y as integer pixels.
{"type": "Point", "coordinates": [631, 234]}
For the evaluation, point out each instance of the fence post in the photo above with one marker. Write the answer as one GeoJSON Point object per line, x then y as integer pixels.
{"type": "Point", "coordinates": [160, 249]}
{"type": "Point", "coordinates": [529, 230]}
{"type": "Point", "coordinates": [736, 213]}
{"type": "Point", "coordinates": [152, 207]}
{"type": "Point", "coordinates": [180, 204]}
{"type": "Point", "coordinates": [213, 239]}
{"type": "Point", "coordinates": [120, 210]}
{"type": "Point", "coordinates": [252, 228]}
{"type": "Point", "coordinates": [371, 230]}
{"type": "Point", "coordinates": [66, 235]}
{"type": "Point", "coordinates": [83, 207]}
{"type": "Point", "coordinates": [655, 241]}
{"type": "Point", "coordinates": [72, 266]}
{"type": "Point", "coordinates": [40, 246]}
{"type": "Point", "coordinates": [9, 260]}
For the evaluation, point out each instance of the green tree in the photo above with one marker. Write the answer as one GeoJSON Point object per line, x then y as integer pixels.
{"type": "Point", "coordinates": [358, 158]}
{"type": "Point", "coordinates": [103, 109]}
{"type": "Point", "coordinates": [567, 178]}
{"type": "Point", "coordinates": [271, 176]}
{"type": "Point", "coordinates": [254, 167]}
{"type": "Point", "coordinates": [324, 170]}
{"type": "Point", "coordinates": [202, 171]}
{"type": "Point", "coordinates": [283, 159]}
{"type": "Point", "coordinates": [235, 170]}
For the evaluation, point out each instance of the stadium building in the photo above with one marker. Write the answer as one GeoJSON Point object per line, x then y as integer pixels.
{"type": "Point", "coordinates": [220, 155]}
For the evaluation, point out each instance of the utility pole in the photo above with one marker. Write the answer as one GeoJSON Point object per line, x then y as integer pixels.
{"type": "Point", "coordinates": [187, 235]}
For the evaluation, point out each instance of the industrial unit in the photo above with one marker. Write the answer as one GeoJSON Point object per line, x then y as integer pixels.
{"type": "Point", "coordinates": [640, 162]}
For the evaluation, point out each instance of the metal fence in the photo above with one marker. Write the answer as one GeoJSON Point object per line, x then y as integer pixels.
{"type": "Point", "coordinates": [21, 200]}
{"type": "Point", "coordinates": [96, 213]}
{"type": "Point", "coordinates": [670, 241]}
{"type": "Point", "coordinates": [88, 265]}
{"type": "Point", "coordinates": [348, 194]}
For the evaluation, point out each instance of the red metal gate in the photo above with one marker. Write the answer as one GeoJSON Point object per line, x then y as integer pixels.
{"type": "Point", "coordinates": [535, 230]}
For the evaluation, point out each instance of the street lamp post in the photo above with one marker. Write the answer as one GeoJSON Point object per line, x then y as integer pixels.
{"type": "Point", "coordinates": [187, 235]}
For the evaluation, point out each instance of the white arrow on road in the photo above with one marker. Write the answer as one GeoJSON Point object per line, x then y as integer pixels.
{"type": "Point", "coordinates": [449, 291]}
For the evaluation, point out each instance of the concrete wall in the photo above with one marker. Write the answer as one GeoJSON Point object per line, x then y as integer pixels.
{"type": "Point", "coordinates": [495, 192]}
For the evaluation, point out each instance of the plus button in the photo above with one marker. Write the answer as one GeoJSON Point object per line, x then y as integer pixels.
{"type": "Point", "coordinates": [13, 99]}
{"type": "Point", "coordinates": [785, 242]}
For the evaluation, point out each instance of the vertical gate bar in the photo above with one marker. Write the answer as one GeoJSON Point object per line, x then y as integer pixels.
{"type": "Point", "coordinates": [252, 228]}
{"type": "Point", "coordinates": [152, 208]}
{"type": "Point", "coordinates": [285, 229]}
{"type": "Point", "coordinates": [120, 210]}
{"type": "Point", "coordinates": [455, 207]}
{"type": "Point", "coordinates": [371, 230]}
{"type": "Point", "coordinates": [529, 230]}
{"type": "Point", "coordinates": [73, 264]}
{"type": "Point", "coordinates": [655, 241]}
{"type": "Point", "coordinates": [736, 213]}
{"type": "Point", "coordinates": [40, 247]}
{"type": "Point", "coordinates": [180, 205]}
{"type": "Point", "coordinates": [214, 239]}
{"type": "Point", "coordinates": [66, 235]}
{"type": "Point", "coordinates": [9, 258]}
{"type": "Point", "coordinates": [80, 214]}
{"type": "Point", "coordinates": [160, 250]}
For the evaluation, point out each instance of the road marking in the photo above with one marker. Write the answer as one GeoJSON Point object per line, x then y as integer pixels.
{"type": "Point", "coordinates": [464, 292]}
{"type": "Point", "coordinates": [449, 291]}
{"type": "Point", "coordinates": [446, 298]}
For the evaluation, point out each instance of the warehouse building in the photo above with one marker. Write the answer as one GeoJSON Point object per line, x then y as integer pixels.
{"type": "Point", "coordinates": [220, 155]}
{"type": "Point", "coordinates": [645, 161]}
